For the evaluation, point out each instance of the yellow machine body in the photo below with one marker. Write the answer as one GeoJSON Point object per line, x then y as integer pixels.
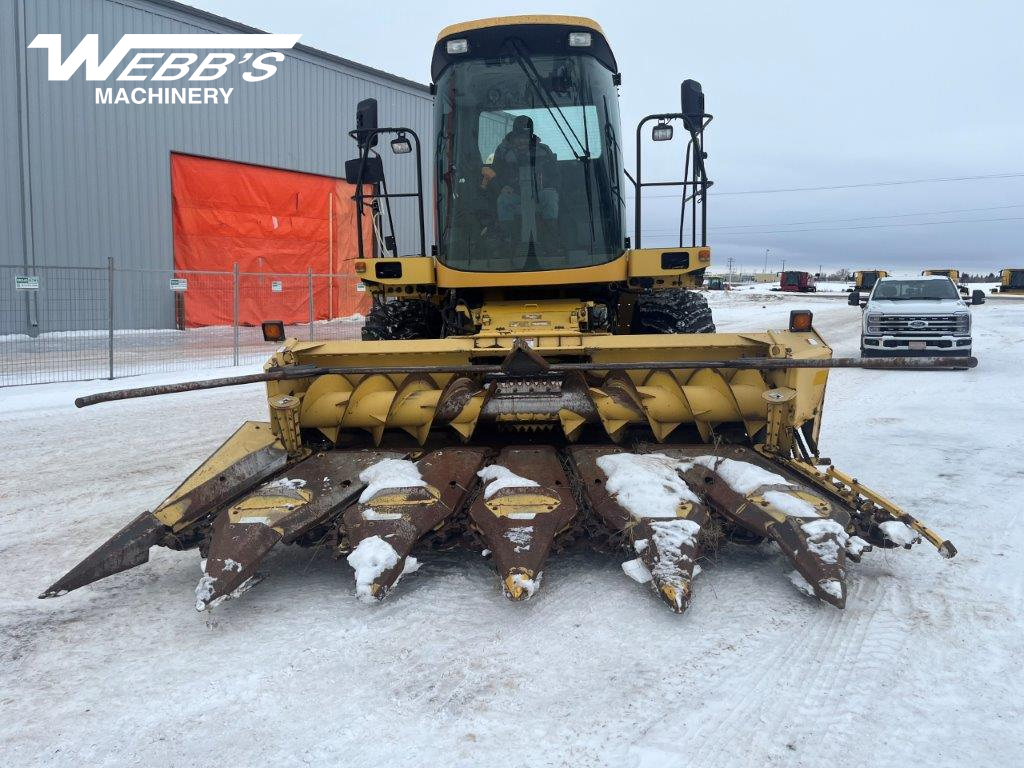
{"type": "Point", "coordinates": [864, 280]}
{"type": "Point", "coordinates": [1011, 281]}
{"type": "Point", "coordinates": [952, 274]}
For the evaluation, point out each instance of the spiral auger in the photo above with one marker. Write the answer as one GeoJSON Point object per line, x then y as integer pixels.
{"type": "Point", "coordinates": [416, 403]}
{"type": "Point", "coordinates": [377, 402]}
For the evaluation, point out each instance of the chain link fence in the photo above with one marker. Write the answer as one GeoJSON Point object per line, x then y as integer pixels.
{"type": "Point", "coordinates": [76, 323]}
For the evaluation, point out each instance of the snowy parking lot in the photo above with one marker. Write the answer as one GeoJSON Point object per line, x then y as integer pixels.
{"type": "Point", "coordinates": [925, 665]}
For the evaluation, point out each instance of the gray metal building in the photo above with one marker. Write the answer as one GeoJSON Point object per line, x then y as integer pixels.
{"type": "Point", "coordinates": [83, 181]}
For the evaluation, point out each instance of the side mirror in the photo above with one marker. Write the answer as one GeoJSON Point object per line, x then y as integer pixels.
{"type": "Point", "coordinates": [692, 97]}
{"type": "Point", "coordinates": [978, 297]}
{"type": "Point", "coordinates": [854, 299]}
{"type": "Point", "coordinates": [366, 121]}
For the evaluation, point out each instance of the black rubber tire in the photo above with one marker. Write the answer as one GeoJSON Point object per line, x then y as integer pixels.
{"type": "Point", "coordinates": [402, 319]}
{"type": "Point", "coordinates": [672, 311]}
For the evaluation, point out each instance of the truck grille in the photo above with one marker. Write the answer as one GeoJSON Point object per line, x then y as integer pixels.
{"type": "Point", "coordinates": [920, 325]}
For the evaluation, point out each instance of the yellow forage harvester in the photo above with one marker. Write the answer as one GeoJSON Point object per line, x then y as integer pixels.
{"type": "Point", "coordinates": [539, 380]}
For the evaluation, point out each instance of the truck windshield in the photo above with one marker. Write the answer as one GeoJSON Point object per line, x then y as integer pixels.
{"type": "Point", "coordinates": [1016, 278]}
{"type": "Point", "coordinates": [529, 169]}
{"type": "Point", "coordinates": [914, 290]}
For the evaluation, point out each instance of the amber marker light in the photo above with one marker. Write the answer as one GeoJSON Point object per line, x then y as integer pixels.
{"type": "Point", "coordinates": [273, 330]}
{"type": "Point", "coordinates": [800, 320]}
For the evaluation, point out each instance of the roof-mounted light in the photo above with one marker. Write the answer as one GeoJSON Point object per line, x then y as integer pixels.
{"type": "Point", "coordinates": [580, 39]}
{"type": "Point", "coordinates": [459, 45]}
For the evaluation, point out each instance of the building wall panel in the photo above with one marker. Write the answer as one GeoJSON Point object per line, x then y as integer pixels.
{"type": "Point", "coordinates": [100, 174]}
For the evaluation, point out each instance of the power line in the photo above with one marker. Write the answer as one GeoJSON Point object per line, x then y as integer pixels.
{"type": "Point", "coordinates": [868, 226]}
{"type": "Point", "coordinates": [867, 218]}
{"type": "Point", "coordinates": [724, 227]}
{"type": "Point", "coordinates": [853, 186]}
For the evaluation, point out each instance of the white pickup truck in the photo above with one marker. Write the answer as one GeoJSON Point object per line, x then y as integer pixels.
{"type": "Point", "coordinates": [914, 317]}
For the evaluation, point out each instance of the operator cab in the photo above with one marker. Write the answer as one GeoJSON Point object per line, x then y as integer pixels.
{"type": "Point", "coordinates": [529, 171]}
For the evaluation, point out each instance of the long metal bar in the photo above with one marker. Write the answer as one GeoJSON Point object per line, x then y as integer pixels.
{"type": "Point", "coordinates": [110, 316]}
{"type": "Point", "coordinates": [496, 371]}
{"type": "Point", "coordinates": [234, 310]}
{"type": "Point", "coordinates": [25, 166]}
{"type": "Point", "coordinates": [309, 285]}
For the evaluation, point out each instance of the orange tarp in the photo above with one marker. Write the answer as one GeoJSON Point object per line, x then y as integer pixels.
{"type": "Point", "coordinates": [276, 225]}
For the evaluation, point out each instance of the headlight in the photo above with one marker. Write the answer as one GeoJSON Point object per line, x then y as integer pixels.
{"type": "Point", "coordinates": [963, 324]}
{"type": "Point", "coordinates": [872, 322]}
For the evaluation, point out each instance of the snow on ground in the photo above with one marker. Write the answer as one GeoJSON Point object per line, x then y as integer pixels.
{"type": "Point", "coordinates": [924, 664]}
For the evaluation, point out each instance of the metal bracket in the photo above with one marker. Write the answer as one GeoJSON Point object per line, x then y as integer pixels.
{"type": "Point", "coordinates": [284, 417]}
{"type": "Point", "coordinates": [779, 438]}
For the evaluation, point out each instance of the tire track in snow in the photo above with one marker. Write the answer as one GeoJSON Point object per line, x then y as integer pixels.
{"type": "Point", "coordinates": [813, 659]}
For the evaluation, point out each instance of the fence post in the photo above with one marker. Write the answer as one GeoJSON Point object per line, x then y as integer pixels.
{"type": "Point", "coordinates": [110, 316]}
{"type": "Point", "coordinates": [311, 316]}
{"type": "Point", "coordinates": [234, 307]}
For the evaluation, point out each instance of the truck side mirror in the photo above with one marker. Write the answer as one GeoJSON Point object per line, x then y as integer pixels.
{"type": "Point", "coordinates": [366, 122]}
{"type": "Point", "coordinates": [854, 299]}
{"type": "Point", "coordinates": [978, 297]}
{"type": "Point", "coordinates": [692, 97]}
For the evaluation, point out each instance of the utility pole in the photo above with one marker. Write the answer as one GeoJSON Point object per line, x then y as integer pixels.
{"type": "Point", "coordinates": [766, 252]}
{"type": "Point", "coordinates": [783, 265]}
{"type": "Point", "coordinates": [730, 268]}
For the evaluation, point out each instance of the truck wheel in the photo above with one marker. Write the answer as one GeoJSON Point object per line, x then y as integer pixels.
{"type": "Point", "coordinates": [672, 311]}
{"type": "Point", "coordinates": [402, 319]}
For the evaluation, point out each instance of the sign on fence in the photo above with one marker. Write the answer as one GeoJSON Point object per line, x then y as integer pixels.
{"type": "Point", "coordinates": [26, 283]}
{"type": "Point", "coordinates": [275, 286]}
{"type": "Point", "coordinates": [179, 284]}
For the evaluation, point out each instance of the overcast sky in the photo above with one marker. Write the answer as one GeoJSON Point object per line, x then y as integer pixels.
{"type": "Point", "coordinates": [804, 94]}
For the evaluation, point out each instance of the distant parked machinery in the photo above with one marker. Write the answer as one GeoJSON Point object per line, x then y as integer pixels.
{"type": "Point", "coordinates": [795, 281]}
{"type": "Point", "coordinates": [952, 274]}
{"type": "Point", "coordinates": [1011, 281]}
{"type": "Point", "coordinates": [715, 283]}
{"type": "Point", "coordinates": [864, 280]}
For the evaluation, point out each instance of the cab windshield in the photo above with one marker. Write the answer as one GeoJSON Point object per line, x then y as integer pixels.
{"type": "Point", "coordinates": [914, 290]}
{"type": "Point", "coordinates": [529, 171]}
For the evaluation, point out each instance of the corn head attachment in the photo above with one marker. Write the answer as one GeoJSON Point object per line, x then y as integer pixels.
{"type": "Point", "coordinates": [661, 447]}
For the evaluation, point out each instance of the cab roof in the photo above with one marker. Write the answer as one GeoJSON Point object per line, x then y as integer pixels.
{"type": "Point", "coordinates": [894, 278]}
{"type": "Point", "coordinates": [543, 34]}
{"type": "Point", "coordinates": [511, 21]}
